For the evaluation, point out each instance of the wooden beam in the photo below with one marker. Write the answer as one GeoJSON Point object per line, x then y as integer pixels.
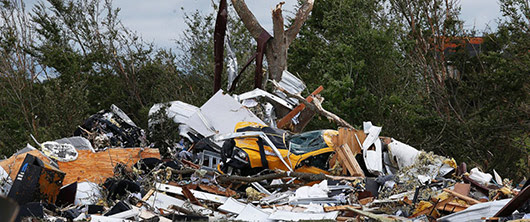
{"type": "Point", "coordinates": [287, 118]}
{"type": "Point", "coordinates": [466, 198]}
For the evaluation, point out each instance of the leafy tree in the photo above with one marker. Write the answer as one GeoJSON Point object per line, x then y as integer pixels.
{"type": "Point", "coordinates": [349, 48]}
{"type": "Point", "coordinates": [196, 55]}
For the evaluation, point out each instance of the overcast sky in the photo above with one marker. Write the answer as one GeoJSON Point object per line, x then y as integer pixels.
{"type": "Point", "coordinates": [161, 21]}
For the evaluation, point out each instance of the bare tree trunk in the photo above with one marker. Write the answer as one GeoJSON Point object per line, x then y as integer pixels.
{"type": "Point", "coordinates": [276, 49]}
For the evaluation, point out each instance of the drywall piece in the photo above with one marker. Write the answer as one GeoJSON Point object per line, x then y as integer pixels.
{"type": "Point", "coordinates": [232, 206]}
{"type": "Point", "coordinates": [252, 213]}
{"type": "Point", "coordinates": [88, 193]}
{"type": "Point", "coordinates": [296, 216]}
{"type": "Point", "coordinates": [219, 115]}
{"type": "Point", "coordinates": [401, 154]}
{"type": "Point", "coordinates": [196, 193]}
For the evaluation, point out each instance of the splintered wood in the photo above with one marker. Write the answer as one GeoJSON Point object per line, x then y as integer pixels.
{"type": "Point", "coordinates": [347, 146]}
{"type": "Point", "coordinates": [97, 167]}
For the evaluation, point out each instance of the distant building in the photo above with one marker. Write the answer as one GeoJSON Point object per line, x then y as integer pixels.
{"type": "Point", "coordinates": [472, 45]}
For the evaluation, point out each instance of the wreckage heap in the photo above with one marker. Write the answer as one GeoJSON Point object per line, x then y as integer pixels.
{"type": "Point", "coordinates": [238, 160]}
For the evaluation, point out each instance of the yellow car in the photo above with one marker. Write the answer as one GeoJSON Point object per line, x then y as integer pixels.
{"type": "Point", "coordinates": [254, 147]}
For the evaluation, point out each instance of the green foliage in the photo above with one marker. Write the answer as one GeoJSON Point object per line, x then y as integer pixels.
{"type": "Point", "coordinates": [68, 61]}
{"type": "Point", "coordinates": [368, 63]}
{"type": "Point", "coordinates": [163, 131]}
{"type": "Point", "coordinates": [196, 54]}
{"type": "Point", "coordinates": [349, 48]}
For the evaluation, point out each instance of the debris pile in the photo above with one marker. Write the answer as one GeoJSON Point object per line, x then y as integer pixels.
{"type": "Point", "coordinates": [238, 160]}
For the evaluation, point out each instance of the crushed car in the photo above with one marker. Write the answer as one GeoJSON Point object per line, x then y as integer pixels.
{"type": "Point", "coordinates": [255, 147]}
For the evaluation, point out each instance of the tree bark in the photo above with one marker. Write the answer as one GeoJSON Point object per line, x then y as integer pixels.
{"type": "Point", "coordinates": [276, 49]}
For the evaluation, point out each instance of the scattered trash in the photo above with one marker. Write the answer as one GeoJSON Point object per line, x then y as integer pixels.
{"type": "Point", "coordinates": [111, 128]}
{"type": "Point", "coordinates": [245, 157]}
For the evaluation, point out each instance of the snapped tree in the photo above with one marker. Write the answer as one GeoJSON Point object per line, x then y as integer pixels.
{"type": "Point", "coordinates": [276, 48]}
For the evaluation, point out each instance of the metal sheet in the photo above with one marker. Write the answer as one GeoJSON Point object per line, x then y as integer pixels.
{"type": "Point", "coordinates": [178, 111]}
{"type": "Point", "coordinates": [373, 158]}
{"type": "Point", "coordinates": [231, 67]}
{"type": "Point", "coordinates": [261, 93]}
{"type": "Point", "coordinates": [476, 212]}
{"type": "Point", "coordinates": [291, 84]}
{"type": "Point", "coordinates": [219, 115]}
{"type": "Point", "coordinates": [122, 115]}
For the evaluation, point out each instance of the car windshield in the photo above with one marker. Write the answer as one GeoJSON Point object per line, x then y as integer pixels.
{"type": "Point", "coordinates": [307, 142]}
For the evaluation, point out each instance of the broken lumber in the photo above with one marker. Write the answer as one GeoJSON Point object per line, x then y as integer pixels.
{"type": "Point", "coordinates": [348, 136]}
{"type": "Point", "coordinates": [279, 174]}
{"type": "Point", "coordinates": [466, 198]}
{"type": "Point", "coordinates": [287, 118]}
{"type": "Point", "coordinates": [315, 105]}
{"type": "Point", "coordinates": [347, 158]}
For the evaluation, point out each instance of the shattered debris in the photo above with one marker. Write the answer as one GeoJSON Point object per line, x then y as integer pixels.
{"type": "Point", "coordinates": [245, 157]}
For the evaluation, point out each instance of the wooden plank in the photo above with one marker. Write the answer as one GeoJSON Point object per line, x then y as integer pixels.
{"type": "Point", "coordinates": [466, 198]}
{"type": "Point", "coordinates": [343, 159]}
{"type": "Point", "coordinates": [146, 197]}
{"type": "Point", "coordinates": [349, 136]}
{"type": "Point", "coordinates": [356, 171]}
{"type": "Point", "coordinates": [340, 208]}
{"type": "Point", "coordinates": [13, 163]}
{"type": "Point", "coordinates": [187, 193]}
{"type": "Point", "coordinates": [97, 167]}
{"type": "Point", "coordinates": [287, 118]}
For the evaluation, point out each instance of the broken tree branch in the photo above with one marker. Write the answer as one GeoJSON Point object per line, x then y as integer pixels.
{"type": "Point", "coordinates": [315, 105]}
{"type": "Point", "coordinates": [277, 175]}
{"type": "Point", "coordinates": [299, 19]}
{"type": "Point", "coordinates": [249, 20]}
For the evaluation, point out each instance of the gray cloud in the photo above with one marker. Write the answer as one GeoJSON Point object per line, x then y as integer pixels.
{"type": "Point", "coordinates": [162, 21]}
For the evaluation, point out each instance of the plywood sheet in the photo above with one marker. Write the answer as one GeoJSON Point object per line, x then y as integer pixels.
{"type": "Point", "coordinates": [13, 163]}
{"type": "Point", "coordinates": [349, 136]}
{"type": "Point", "coordinates": [96, 167]}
